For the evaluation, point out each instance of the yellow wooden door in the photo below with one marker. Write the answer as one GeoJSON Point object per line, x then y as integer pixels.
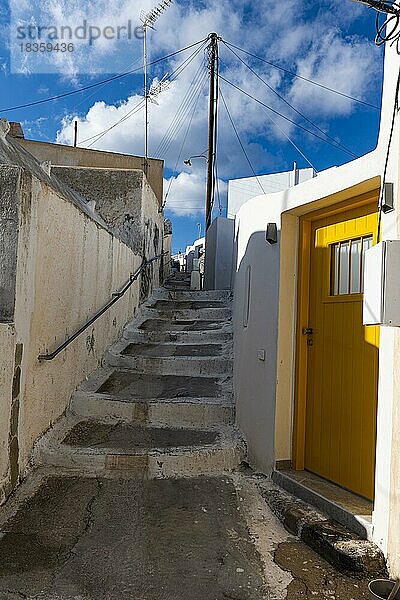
{"type": "Point", "coordinates": [342, 361]}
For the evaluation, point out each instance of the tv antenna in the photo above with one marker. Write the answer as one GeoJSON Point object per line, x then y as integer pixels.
{"type": "Point", "coordinates": [148, 20]}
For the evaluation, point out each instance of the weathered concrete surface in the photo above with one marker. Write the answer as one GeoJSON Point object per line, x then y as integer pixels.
{"type": "Point", "coordinates": [186, 304]}
{"type": "Point", "coordinates": [7, 356]}
{"type": "Point", "coordinates": [180, 325]}
{"type": "Point", "coordinates": [159, 350]}
{"type": "Point", "coordinates": [9, 224]}
{"type": "Point", "coordinates": [58, 289]}
{"type": "Point", "coordinates": [198, 539]}
{"type": "Point", "coordinates": [126, 437]}
{"type": "Point", "coordinates": [117, 196]}
{"type": "Point", "coordinates": [125, 384]}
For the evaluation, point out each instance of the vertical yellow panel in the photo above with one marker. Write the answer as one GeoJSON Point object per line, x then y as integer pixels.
{"type": "Point", "coordinates": [342, 365]}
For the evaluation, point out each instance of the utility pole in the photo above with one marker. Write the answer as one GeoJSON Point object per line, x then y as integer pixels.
{"type": "Point", "coordinates": [212, 117]}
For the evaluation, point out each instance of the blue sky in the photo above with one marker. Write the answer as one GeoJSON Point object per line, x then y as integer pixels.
{"type": "Point", "coordinates": [330, 41]}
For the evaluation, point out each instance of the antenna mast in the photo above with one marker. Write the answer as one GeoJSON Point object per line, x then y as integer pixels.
{"type": "Point", "coordinates": [149, 20]}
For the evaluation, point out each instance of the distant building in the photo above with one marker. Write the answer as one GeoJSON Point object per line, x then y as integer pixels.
{"type": "Point", "coordinates": [242, 190]}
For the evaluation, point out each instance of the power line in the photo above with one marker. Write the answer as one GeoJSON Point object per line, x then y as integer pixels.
{"type": "Point", "coordinates": [104, 81]}
{"type": "Point", "coordinates": [100, 135]}
{"type": "Point", "coordinates": [184, 141]}
{"type": "Point", "coordinates": [280, 114]}
{"type": "Point", "coordinates": [339, 144]}
{"type": "Point", "coordinates": [382, 192]}
{"type": "Point", "coordinates": [180, 114]}
{"type": "Point", "coordinates": [241, 144]}
{"type": "Point", "coordinates": [321, 85]}
{"type": "Point", "coordinates": [291, 141]}
{"type": "Point", "coordinates": [136, 108]}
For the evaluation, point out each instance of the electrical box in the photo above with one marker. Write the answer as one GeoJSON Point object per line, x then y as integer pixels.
{"type": "Point", "coordinates": [382, 284]}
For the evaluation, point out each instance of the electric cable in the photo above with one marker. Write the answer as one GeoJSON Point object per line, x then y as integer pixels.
{"type": "Point", "coordinates": [291, 141]}
{"type": "Point", "coordinates": [104, 81]}
{"type": "Point", "coordinates": [241, 144]}
{"type": "Point", "coordinates": [283, 116]}
{"type": "Point", "coordinates": [173, 75]}
{"type": "Point", "coordinates": [183, 145]}
{"type": "Point", "coordinates": [382, 191]}
{"type": "Point", "coordinates": [339, 144]}
{"type": "Point", "coordinates": [180, 114]}
{"type": "Point", "coordinates": [99, 136]}
{"type": "Point", "coordinates": [388, 31]}
{"type": "Point", "coordinates": [318, 84]}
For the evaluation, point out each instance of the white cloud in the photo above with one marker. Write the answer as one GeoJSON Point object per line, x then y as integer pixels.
{"type": "Point", "coordinates": [344, 64]}
{"type": "Point", "coordinates": [187, 193]}
{"type": "Point", "coordinates": [313, 46]}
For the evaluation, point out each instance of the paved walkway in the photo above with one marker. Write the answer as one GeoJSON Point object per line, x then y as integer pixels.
{"type": "Point", "coordinates": [80, 538]}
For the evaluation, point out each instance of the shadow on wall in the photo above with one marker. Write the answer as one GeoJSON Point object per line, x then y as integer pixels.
{"type": "Point", "coordinates": [256, 306]}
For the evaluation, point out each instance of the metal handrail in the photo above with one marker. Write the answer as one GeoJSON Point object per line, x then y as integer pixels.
{"type": "Point", "coordinates": [116, 297]}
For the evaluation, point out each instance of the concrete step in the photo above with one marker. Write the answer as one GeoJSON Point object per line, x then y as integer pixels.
{"type": "Point", "coordinates": [95, 447]}
{"type": "Point", "coordinates": [173, 350]}
{"type": "Point", "coordinates": [127, 386]}
{"type": "Point", "coordinates": [176, 305]}
{"type": "Point", "coordinates": [189, 366]}
{"type": "Point", "coordinates": [224, 296]}
{"type": "Point", "coordinates": [186, 412]}
{"type": "Point", "coordinates": [353, 512]}
{"type": "Point", "coordinates": [204, 327]}
{"type": "Point", "coordinates": [134, 335]}
{"type": "Point", "coordinates": [335, 543]}
{"type": "Point", "coordinates": [203, 315]}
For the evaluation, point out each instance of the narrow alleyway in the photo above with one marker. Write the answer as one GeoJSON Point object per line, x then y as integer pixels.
{"type": "Point", "coordinates": [140, 491]}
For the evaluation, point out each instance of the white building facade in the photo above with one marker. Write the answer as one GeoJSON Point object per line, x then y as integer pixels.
{"type": "Point", "coordinates": [242, 190]}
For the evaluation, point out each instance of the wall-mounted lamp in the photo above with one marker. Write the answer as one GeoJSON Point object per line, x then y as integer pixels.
{"type": "Point", "coordinates": [272, 233]}
{"type": "Point", "coordinates": [188, 162]}
{"type": "Point", "coordinates": [388, 197]}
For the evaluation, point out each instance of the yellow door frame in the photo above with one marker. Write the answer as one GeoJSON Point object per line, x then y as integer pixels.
{"type": "Point", "coordinates": [303, 302]}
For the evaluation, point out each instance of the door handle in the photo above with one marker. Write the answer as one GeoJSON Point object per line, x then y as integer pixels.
{"type": "Point", "coordinates": [308, 331]}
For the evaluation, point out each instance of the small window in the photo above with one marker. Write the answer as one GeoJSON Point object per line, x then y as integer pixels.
{"type": "Point", "coordinates": [347, 266]}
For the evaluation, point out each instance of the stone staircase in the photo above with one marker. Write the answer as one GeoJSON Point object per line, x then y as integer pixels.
{"type": "Point", "coordinates": [162, 403]}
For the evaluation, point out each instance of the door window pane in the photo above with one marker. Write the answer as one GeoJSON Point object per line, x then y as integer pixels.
{"type": "Point", "coordinates": [367, 243]}
{"type": "Point", "coordinates": [335, 269]}
{"type": "Point", "coordinates": [347, 266]}
{"type": "Point", "coordinates": [344, 269]}
{"type": "Point", "coordinates": [355, 266]}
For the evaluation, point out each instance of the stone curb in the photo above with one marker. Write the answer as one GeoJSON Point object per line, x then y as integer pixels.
{"type": "Point", "coordinates": [343, 549]}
